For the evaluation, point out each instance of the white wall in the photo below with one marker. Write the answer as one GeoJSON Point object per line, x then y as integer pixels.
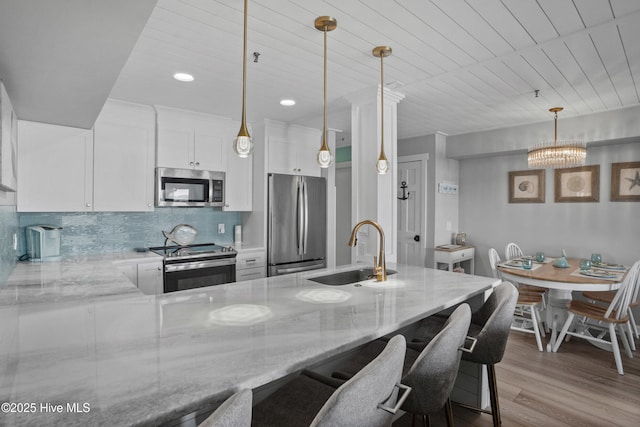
{"type": "Point", "coordinates": [611, 228]}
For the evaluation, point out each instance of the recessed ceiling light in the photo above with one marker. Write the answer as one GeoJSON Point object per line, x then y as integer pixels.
{"type": "Point", "coordinates": [287, 102]}
{"type": "Point", "coordinates": [183, 77]}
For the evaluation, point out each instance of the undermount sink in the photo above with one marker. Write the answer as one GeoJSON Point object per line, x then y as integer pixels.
{"type": "Point", "coordinates": [347, 277]}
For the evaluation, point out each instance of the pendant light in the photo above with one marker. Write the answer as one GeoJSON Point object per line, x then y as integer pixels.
{"type": "Point", "coordinates": [382, 165]}
{"type": "Point", "coordinates": [562, 154]}
{"type": "Point", "coordinates": [325, 158]}
{"type": "Point", "coordinates": [242, 145]}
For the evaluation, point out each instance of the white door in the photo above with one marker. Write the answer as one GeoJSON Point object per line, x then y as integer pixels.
{"type": "Point", "coordinates": [410, 214]}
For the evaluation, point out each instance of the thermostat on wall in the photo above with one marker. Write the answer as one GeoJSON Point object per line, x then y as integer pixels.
{"type": "Point", "coordinates": [447, 188]}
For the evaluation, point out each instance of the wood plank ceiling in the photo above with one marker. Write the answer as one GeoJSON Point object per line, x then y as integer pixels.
{"type": "Point", "coordinates": [463, 66]}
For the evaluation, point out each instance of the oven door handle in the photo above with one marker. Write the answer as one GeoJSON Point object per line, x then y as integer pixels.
{"type": "Point", "coordinates": [169, 268]}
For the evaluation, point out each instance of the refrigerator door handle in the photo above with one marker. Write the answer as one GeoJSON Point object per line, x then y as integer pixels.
{"type": "Point", "coordinates": [306, 215]}
{"type": "Point", "coordinates": [300, 218]}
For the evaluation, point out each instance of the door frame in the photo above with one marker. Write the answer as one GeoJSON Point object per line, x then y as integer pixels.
{"type": "Point", "coordinates": [423, 159]}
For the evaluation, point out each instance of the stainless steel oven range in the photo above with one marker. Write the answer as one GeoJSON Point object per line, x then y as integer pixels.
{"type": "Point", "coordinates": [197, 266]}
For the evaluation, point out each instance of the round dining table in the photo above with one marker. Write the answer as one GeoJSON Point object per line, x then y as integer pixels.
{"type": "Point", "coordinates": [560, 282]}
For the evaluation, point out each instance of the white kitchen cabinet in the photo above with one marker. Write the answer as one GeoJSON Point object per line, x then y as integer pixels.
{"type": "Point", "coordinates": [124, 157]}
{"type": "Point", "coordinates": [55, 170]}
{"type": "Point", "coordinates": [189, 140]}
{"type": "Point", "coordinates": [295, 154]}
{"type": "Point", "coordinates": [8, 142]}
{"type": "Point", "coordinates": [251, 264]}
{"type": "Point", "coordinates": [146, 275]}
{"type": "Point", "coordinates": [150, 278]}
{"type": "Point", "coordinates": [238, 181]}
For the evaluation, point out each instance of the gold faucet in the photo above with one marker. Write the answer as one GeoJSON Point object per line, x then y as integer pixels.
{"type": "Point", "coordinates": [379, 264]}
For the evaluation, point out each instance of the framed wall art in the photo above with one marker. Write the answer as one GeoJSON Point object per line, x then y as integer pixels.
{"type": "Point", "coordinates": [580, 184]}
{"type": "Point", "coordinates": [526, 186]}
{"type": "Point", "coordinates": [625, 182]}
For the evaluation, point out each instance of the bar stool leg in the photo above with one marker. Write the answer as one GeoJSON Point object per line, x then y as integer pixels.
{"type": "Point", "coordinates": [449, 411]}
{"type": "Point", "coordinates": [493, 394]}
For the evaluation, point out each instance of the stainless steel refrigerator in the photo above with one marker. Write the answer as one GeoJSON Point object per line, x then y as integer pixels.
{"type": "Point", "coordinates": [297, 224]}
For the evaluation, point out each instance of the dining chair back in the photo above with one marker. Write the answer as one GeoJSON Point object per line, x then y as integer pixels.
{"type": "Point", "coordinates": [594, 315]}
{"type": "Point", "coordinates": [233, 412]}
{"type": "Point", "coordinates": [512, 250]}
{"type": "Point", "coordinates": [494, 259]}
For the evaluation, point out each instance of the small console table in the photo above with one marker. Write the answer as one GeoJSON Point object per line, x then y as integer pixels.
{"type": "Point", "coordinates": [452, 254]}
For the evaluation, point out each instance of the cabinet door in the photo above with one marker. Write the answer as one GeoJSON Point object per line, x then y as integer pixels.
{"type": "Point", "coordinates": [282, 157]}
{"type": "Point", "coordinates": [150, 279]}
{"type": "Point", "coordinates": [55, 168]}
{"type": "Point", "coordinates": [175, 147]}
{"type": "Point", "coordinates": [129, 270]}
{"type": "Point", "coordinates": [123, 166]}
{"type": "Point", "coordinates": [208, 153]}
{"type": "Point", "coordinates": [8, 147]}
{"type": "Point", "coordinates": [306, 153]}
{"type": "Point", "coordinates": [238, 181]}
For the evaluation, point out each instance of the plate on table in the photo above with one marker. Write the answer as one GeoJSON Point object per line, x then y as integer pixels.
{"type": "Point", "coordinates": [514, 263]}
{"type": "Point", "coordinates": [602, 274]}
{"type": "Point", "coordinates": [609, 266]}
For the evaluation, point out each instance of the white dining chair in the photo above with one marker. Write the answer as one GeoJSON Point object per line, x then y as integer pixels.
{"type": "Point", "coordinates": [606, 297]}
{"type": "Point", "coordinates": [527, 315]}
{"type": "Point", "coordinates": [512, 250]}
{"type": "Point", "coordinates": [604, 321]}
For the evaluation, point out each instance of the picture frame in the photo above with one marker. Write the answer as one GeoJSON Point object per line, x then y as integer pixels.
{"type": "Point", "coordinates": [579, 184]}
{"type": "Point", "coordinates": [625, 182]}
{"type": "Point", "coordinates": [527, 186]}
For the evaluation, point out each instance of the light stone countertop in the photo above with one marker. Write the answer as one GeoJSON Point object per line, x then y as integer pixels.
{"type": "Point", "coordinates": [79, 332]}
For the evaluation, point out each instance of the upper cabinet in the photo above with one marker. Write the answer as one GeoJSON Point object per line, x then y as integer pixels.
{"type": "Point", "coordinates": [189, 140]}
{"type": "Point", "coordinates": [124, 156]}
{"type": "Point", "coordinates": [55, 169]}
{"type": "Point", "coordinates": [64, 169]}
{"type": "Point", "coordinates": [293, 151]}
{"type": "Point", "coordinates": [8, 146]}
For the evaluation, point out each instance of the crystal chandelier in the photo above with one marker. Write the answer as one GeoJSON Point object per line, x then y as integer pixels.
{"type": "Point", "coordinates": [559, 154]}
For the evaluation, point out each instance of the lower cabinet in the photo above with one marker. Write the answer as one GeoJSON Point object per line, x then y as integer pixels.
{"type": "Point", "coordinates": [146, 275]}
{"type": "Point", "coordinates": [251, 264]}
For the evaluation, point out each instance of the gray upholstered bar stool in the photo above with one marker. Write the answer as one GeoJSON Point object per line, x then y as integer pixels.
{"type": "Point", "coordinates": [234, 412]}
{"type": "Point", "coordinates": [490, 325]}
{"type": "Point", "coordinates": [370, 398]}
{"type": "Point", "coordinates": [431, 371]}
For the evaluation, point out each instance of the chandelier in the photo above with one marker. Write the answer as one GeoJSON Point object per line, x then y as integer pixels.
{"type": "Point", "coordinates": [559, 154]}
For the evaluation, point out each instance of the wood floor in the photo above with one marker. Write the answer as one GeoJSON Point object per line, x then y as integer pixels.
{"type": "Point", "coordinates": [578, 386]}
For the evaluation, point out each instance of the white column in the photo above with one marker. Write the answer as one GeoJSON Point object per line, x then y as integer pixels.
{"type": "Point", "coordinates": [374, 195]}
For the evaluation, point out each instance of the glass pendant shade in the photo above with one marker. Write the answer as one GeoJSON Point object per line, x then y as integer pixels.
{"type": "Point", "coordinates": [242, 145]}
{"type": "Point", "coordinates": [324, 157]}
{"type": "Point", "coordinates": [382, 166]}
{"type": "Point", "coordinates": [557, 154]}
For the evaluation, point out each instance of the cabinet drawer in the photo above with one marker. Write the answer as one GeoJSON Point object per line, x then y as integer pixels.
{"type": "Point", "coordinates": [462, 255]}
{"type": "Point", "coordinates": [251, 273]}
{"type": "Point", "coordinates": [250, 260]}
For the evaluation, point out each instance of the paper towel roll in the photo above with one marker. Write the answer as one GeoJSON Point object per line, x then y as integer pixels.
{"type": "Point", "coordinates": [237, 234]}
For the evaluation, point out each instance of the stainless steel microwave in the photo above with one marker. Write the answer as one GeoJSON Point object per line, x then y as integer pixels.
{"type": "Point", "coordinates": [189, 187]}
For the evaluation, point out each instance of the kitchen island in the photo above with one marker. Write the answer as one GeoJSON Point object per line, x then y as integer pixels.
{"type": "Point", "coordinates": [77, 351]}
